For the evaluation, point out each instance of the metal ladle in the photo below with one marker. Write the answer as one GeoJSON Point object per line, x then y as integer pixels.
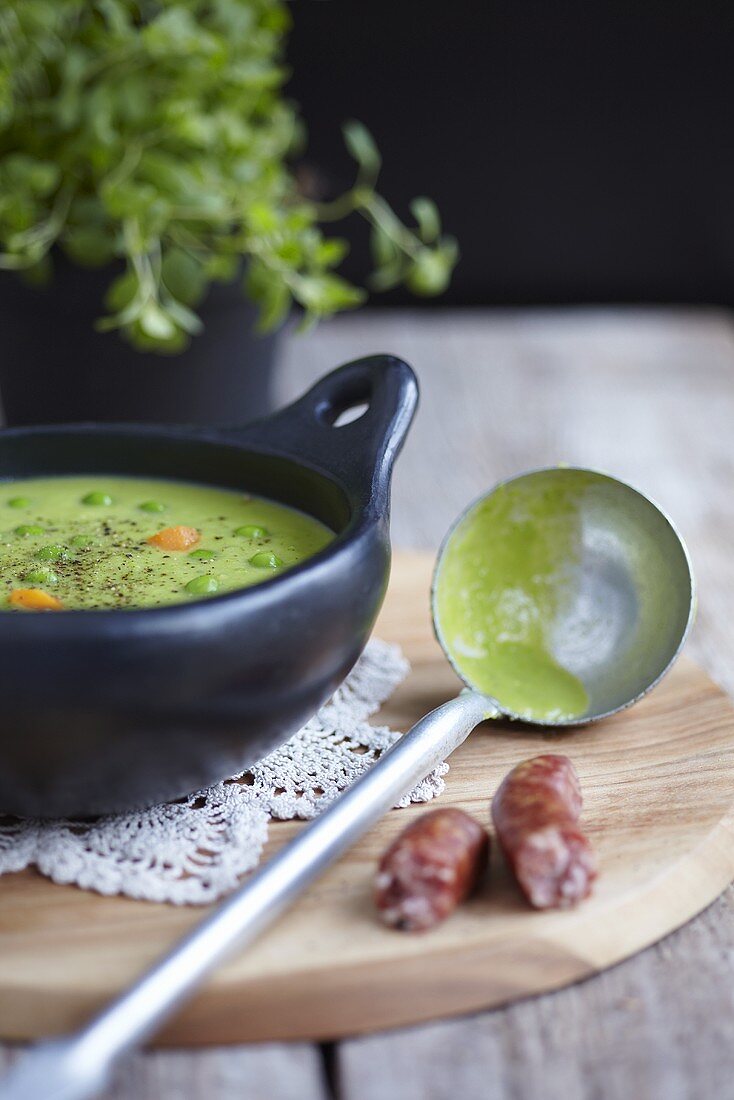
{"type": "Point", "coordinates": [560, 597]}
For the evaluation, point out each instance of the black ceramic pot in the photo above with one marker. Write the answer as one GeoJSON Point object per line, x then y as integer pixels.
{"type": "Point", "coordinates": [109, 710]}
{"type": "Point", "coordinates": [55, 368]}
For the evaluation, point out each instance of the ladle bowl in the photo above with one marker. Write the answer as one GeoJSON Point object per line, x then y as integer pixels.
{"type": "Point", "coordinates": [563, 594]}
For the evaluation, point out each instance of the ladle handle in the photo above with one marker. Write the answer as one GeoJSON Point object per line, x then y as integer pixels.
{"type": "Point", "coordinates": [78, 1066]}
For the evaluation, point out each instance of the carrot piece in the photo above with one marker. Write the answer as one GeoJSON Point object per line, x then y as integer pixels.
{"type": "Point", "coordinates": [34, 599]}
{"type": "Point", "coordinates": [175, 538]}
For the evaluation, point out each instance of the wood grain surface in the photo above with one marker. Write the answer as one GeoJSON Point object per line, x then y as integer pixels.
{"type": "Point", "coordinates": [648, 395]}
{"type": "Point", "coordinates": [658, 782]}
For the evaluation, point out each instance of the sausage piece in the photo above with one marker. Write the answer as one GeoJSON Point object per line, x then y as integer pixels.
{"type": "Point", "coordinates": [429, 869]}
{"type": "Point", "coordinates": [535, 813]}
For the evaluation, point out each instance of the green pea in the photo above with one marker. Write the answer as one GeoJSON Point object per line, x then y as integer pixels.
{"type": "Point", "coordinates": [266, 559]}
{"type": "Point", "coordinates": [52, 553]}
{"type": "Point", "coordinates": [41, 576]}
{"type": "Point", "coordinates": [18, 502]}
{"type": "Point", "coordinates": [200, 586]}
{"type": "Point", "coordinates": [29, 529]}
{"type": "Point", "coordinates": [97, 498]}
{"type": "Point", "coordinates": [203, 555]}
{"type": "Point", "coordinates": [82, 540]}
{"type": "Point", "coordinates": [152, 506]}
{"type": "Point", "coordinates": [252, 531]}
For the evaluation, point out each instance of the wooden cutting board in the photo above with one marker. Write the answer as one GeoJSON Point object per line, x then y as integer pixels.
{"type": "Point", "coordinates": [658, 782]}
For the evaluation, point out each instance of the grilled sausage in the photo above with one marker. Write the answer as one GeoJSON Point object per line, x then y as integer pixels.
{"type": "Point", "coordinates": [535, 813]}
{"type": "Point", "coordinates": [430, 868]}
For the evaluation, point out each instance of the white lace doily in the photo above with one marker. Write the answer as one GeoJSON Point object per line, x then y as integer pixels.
{"type": "Point", "coordinates": [192, 851]}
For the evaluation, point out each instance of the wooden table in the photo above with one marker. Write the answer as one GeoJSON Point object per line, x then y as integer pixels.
{"type": "Point", "coordinates": [649, 396]}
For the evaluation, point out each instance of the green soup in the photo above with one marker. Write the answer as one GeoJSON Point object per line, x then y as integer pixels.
{"type": "Point", "coordinates": [501, 584]}
{"type": "Point", "coordinates": [84, 540]}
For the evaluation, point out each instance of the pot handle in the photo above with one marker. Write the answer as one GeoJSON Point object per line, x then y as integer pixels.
{"type": "Point", "coordinates": [361, 451]}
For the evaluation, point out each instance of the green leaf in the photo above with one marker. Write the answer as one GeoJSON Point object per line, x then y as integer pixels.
{"type": "Point", "coordinates": [184, 317]}
{"type": "Point", "coordinates": [330, 252]}
{"type": "Point", "coordinates": [128, 199]}
{"type": "Point", "coordinates": [168, 175]}
{"type": "Point", "coordinates": [266, 288]}
{"type": "Point", "coordinates": [389, 275]}
{"type": "Point", "coordinates": [172, 345]}
{"type": "Point", "coordinates": [183, 275]}
{"type": "Point", "coordinates": [361, 145]}
{"type": "Point", "coordinates": [262, 218]}
{"type": "Point", "coordinates": [176, 31]}
{"type": "Point", "coordinates": [426, 214]}
{"type": "Point", "coordinates": [430, 272]}
{"type": "Point", "coordinates": [383, 247]}
{"type": "Point", "coordinates": [121, 292]}
{"type": "Point", "coordinates": [38, 176]}
{"type": "Point", "coordinates": [88, 245]}
{"type": "Point", "coordinates": [39, 274]}
{"type": "Point", "coordinates": [326, 293]}
{"type": "Point", "coordinates": [274, 308]}
{"type": "Point", "coordinates": [222, 268]}
{"type": "Point", "coordinates": [156, 323]}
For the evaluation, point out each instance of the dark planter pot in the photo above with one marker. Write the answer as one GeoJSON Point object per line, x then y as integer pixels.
{"type": "Point", "coordinates": [55, 368]}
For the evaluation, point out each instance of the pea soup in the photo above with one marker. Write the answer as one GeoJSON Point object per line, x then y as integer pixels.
{"type": "Point", "coordinates": [497, 596]}
{"type": "Point", "coordinates": [116, 542]}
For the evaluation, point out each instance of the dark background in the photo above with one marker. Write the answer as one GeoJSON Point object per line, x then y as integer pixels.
{"type": "Point", "coordinates": [579, 152]}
